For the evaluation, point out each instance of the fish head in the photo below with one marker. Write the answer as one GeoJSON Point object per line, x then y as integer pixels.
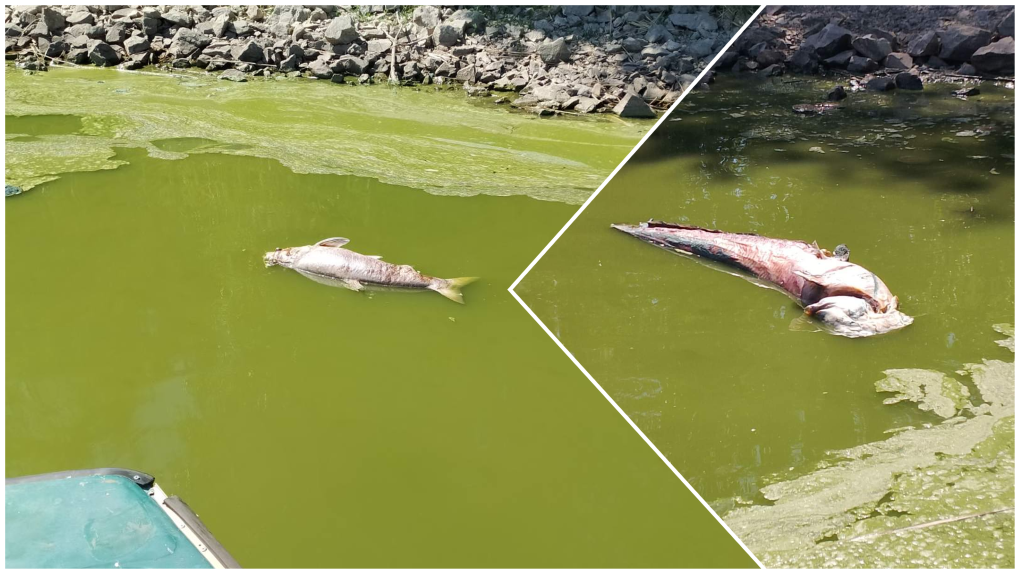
{"type": "Point", "coordinates": [280, 256]}
{"type": "Point", "coordinates": [645, 232]}
{"type": "Point", "coordinates": [855, 317]}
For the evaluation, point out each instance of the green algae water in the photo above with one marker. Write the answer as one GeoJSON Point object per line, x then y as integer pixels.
{"type": "Point", "coordinates": [311, 426]}
{"type": "Point", "coordinates": [742, 395]}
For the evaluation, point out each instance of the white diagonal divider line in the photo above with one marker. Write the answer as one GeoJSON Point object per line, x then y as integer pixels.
{"type": "Point", "coordinates": [556, 238]}
{"type": "Point", "coordinates": [638, 146]}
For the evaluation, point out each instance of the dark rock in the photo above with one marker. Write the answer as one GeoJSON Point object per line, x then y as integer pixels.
{"type": "Point", "coordinates": [181, 63]}
{"type": "Point", "coordinates": [150, 26]}
{"type": "Point", "coordinates": [53, 20]}
{"type": "Point", "coordinates": [249, 51]}
{"type": "Point", "coordinates": [836, 94]}
{"type": "Point", "coordinates": [829, 41]}
{"type": "Point", "coordinates": [78, 56]}
{"type": "Point", "coordinates": [996, 57]}
{"type": "Point", "coordinates": [1007, 27]}
{"type": "Point", "coordinates": [871, 47]}
{"type": "Point", "coordinates": [959, 42]}
{"type": "Point", "coordinates": [899, 61]}
{"type": "Point", "coordinates": [136, 44]}
{"type": "Point", "coordinates": [726, 60]}
{"type": "Point", "coordinates": [881, 84]}
{"type": "Point", "coordinates": [772, 70]}
{"type": "Point", "coordinates": [633, 44]}
{"type": "Point", "coordinates": [337, 78]}
{"type": "Point", "coordinates": [926, 44]}
{"type": "Point", "coordinates": [321, 68]}
{"type": "Point", "coordinates": [474, 21]}
{"type": "Point", "coordinates": [579, 11]}
{"type": "Point", "coordinates": [234, 76]}
{"type": "Point", "coordinates": [803, 60]}
{"type": "Point", "coordinates": [353, 65]}
{"type": "Point", "coordinates": [935, 62]}
{"type": "Point", "coordinates": [770, 57]}
{"type": "Point", "coordinates": [116, 34]}
{"type": "Point", "coordinates": [908, 81]}
{"type": "Point", "coordinates": [632, 106]}
{"type": "Point", "coordinates": [658, 34]}
{"type": "Point", "coordinates": [861, 65]}
{"type": "Point", "coordinates": [179, 17]}
{"type": "Point", "coordinates": [967, 70]}
{"type": "Point", "coordinates": [290, 63]}
{"type": "Point", "coordinates": [341, 31]}
{"type": "Point", "coordinates": [103, 54]}
{"type": "Point", "coordinates": [554, 52]}
{"type": "Point", "coordinates": [187, 42]}
{"type": "Point", "coordinates": [840, 60]}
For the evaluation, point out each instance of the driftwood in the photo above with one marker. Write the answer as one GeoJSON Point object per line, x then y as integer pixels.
{"type": "Point", "coordinates": [929, 524]}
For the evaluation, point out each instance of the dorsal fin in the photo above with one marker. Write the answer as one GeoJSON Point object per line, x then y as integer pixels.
{"type": "Point", "coordinates": [334, 242]}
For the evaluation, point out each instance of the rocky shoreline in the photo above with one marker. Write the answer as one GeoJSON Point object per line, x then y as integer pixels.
{"type": "Point", "coordinates": [879, 48]}
{"type": "Point", "coordinates": [547, 60]}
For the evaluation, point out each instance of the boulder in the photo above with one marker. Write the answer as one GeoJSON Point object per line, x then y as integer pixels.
{"type": "Point", "coordinates": [840, 60]}
{"type": "Point", "coordinates": [881, 84]}
{"type": "Point", "coordinates": [995, 57]}
{"type": "Point", "coordinates": [103, 54]}
{"type": "Point", "coordinates": [836, 94]}
{"type": "Point", "coordinates": [908, 81]}
{"type": "Point", "coordinates": [1007, 26]}
{"type": "Point", "coordinates": [290, 63]}
{"type": "Point", "coordinates": [959, 42]}
{"type": "Point", "coordinates": [187, 42]}
{"type": "Point", "coordinates": [53, 20]}
{"type": "Point", "coordinates": [967, 70]}
{"type": "Point", "coordinates": [803, 60]}
{"type": "Point", "coordinates": [56, 48]}
{"type": "Point", "coordinates": [554, 52]}
{"type": "Point", "coordinates": [698, 21]}
{"type": "Point", "coordinates": [234, 76]}
{"type": "Point", "coordinates": [467, 74]}
{"type": "Point", "coordinates": [378, 46]}
{"type": "Point", "coordinates": [899, 61]}
{"type": "Point", "coordinates": [586, 105]}
{"type": "Point", "coordinates": [632, 106]}
{"type": "Point", "coordinates": [923, 45]}
{"type": "Point", "coordinates": [321, 68]}
{"type": "Point", "coordinates": [448, 34]}
{"type": "Point", "coordinates": [341, 30]}
{"type": "Point", "coordinates": [136, 44]}
{"type": "Point", "coordinates": [658, 34]}
{"type": "Point", "coordinates": [116, 34]}
{"type": "Point", "coordinates": [80, 17]}
{"type": "Point", "coordinates": [352, 65]}
{"type": "Point", "coordinates": [178, 17]}
{"type": "Point", "coordinates": [249, 51]}
{"type": "Point", "coordinates": [474, 21]}
{"type": "Point", "coordinates": [829, 41]}
{"type": "Point", "coordinates": [426, 17]}
{"type": "Point", "coordinates": [861, 65]}
{"type": "Point", "coordinates": [770, 57]}
{"type": "Point", "coordinates": [579, 11]}
{"type": "Point", "coordinates": [872, 47]}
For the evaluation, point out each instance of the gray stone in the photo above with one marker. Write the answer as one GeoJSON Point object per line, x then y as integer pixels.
{"type": "Point", "coordinates": [53, 20]}
{"type": "Point", "coordinates": [829, 41]}
{"type": "Point", "coordinates": [586, 105]}
{"type": "Point", "coordinates": [353, 65]}
{"type": "Point", "coordinates": [861, 65]}
{"type": "Point", "coordinates": [899, 61]}
{"type": "Point", "coordinates": [249, 51]}
{"type": "Point", "coordinates": [178, 17]}
{"type": "Point", "coordinates": [872, 47]}
{"type": "Point", "coordinates": [426, 16]}
{"type": "Point", "coordinates": [341, 30]}
{"type": "Point", "coordinates": [922, 45]}
{"type": "Point", "coordinates": [187, 42]}
{"type": "Point", "coordinates": [321, 68]}
{"type": "Point", "coordinates": [996, 57]}
{"type": "Point", "coordinates": [967, 70]}
{"type": "Point", "coordinates": [959, 42]}
{"type": "Point", "coordinates": [881, 84]}
{"type": "Point", "coordinates": [103, 54]}
{"type": "Point", "coordinates": [840, 60]}
{"type": "Point", "coordinates": [803, 60]}
{"type": "Point", "coordinates": [632, 106]}
{"type": "Point", "coordinates": [116, 34]}
{"type": "Point", "coordinates": [1007, 27]}
{"type": "Point", "coordinates": [234, 76]}
{"type": "Point", "coordinates": [448, 34]}
{"type": "Point", "coordinates": [136, 44]}
{"type": "Point", "coordinates": [150, 26]}
{"type": "Point", "coordinates": [81, 17]}
{"type": "Point", "coordinates": [770, 57]}
{"type": "Point", "coordinates": [378, 46]}
{"type": "Point", "coordinates": [554, 52]}
{"type": "Point", "coordinates": [836, 94]}
{"type": "Point", "coordinates": [699, 21]}
{"type": "Point", "coordinates": [474, 21]}
{"type": "Point", "coordinates": [908, 81]}
{"type": "Point", "coordinates": [658, 34]}
{"type": "Point", "coordinates": [579, 11]}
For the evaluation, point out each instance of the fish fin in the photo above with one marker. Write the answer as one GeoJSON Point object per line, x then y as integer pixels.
{"type": "Point", "coordinates": [379, 257]}
{"type": "Point", "coordinates": [353, 284]}
{"type": "Point", "coordinates": [334, 242]}
{"type": "Point", "coordinates": [804, 323]}
{"type": "Point", "coordinates": [452, 288]}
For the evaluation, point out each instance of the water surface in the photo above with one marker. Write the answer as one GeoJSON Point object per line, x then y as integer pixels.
{"type": "Point", "coordinates": [918, 185]}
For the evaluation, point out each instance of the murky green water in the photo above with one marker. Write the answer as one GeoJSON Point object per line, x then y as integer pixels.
{"type": "Point", "coordinates": [919, 186]}
{"type": "Point", "coordinates": [312, 426]}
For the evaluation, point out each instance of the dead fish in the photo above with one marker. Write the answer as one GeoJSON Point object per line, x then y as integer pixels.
{"type": "Point", "coordinates": [813, 109]}
{"type": "Point", "coordinates": [328, 263]}
{"type": "Point", "coordinates": [848, 299]}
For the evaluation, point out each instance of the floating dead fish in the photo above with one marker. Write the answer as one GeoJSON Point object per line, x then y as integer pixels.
{"type": "Point", "coordinates": [815, 109]}
{"type": "Point", "coordinates": [848, 299]}
{"type": "Point", "coordinates": [328, 263]}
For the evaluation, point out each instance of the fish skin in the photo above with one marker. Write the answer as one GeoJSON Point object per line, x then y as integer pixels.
{"type": "Point", "coordinates": [848, 298]}
{"type": "Point", "coordinates": [328, 263]}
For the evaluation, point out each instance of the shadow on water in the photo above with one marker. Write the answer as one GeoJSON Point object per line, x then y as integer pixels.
{"type": "Point", "coordinates": [928, 137]}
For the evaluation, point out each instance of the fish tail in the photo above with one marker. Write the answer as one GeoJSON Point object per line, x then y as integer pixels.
{"type": "Point", "coordinates": [451, 288]}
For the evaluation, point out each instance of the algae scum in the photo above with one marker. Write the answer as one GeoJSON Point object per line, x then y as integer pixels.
{"type": "Point", "coordinates": [816, 450]}
{"type": "Point", "coordinates": [312, 426]}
